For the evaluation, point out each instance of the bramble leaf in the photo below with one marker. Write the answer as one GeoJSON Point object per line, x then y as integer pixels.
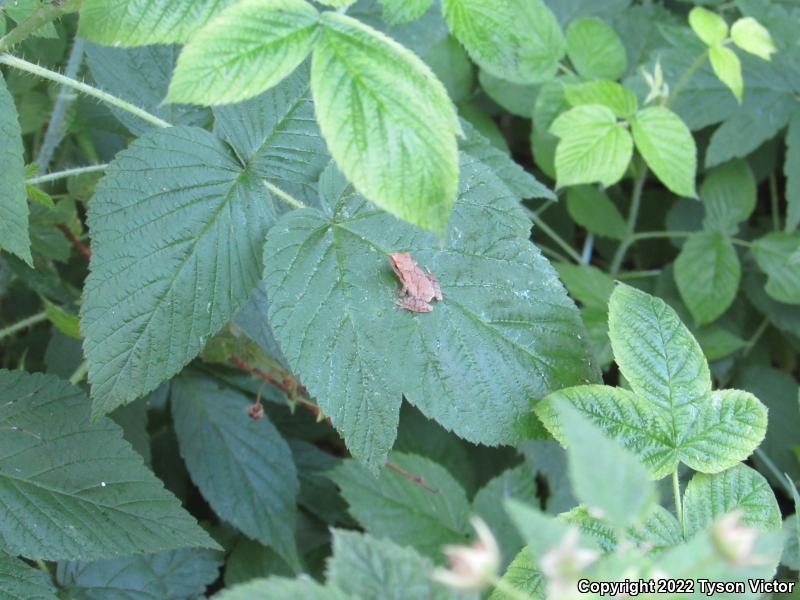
{"type": "Point", "coordinates": [279, 588]}
{"type": "Point", "coordinates": [387, 120]}
{"type": "Point", "coordinates": [73, 490]}
{"type": "Point", "coordinates": [751, 36]}
{"type": "Point", "coordinates": [728, 193]}
{"type": "Point", "coordinates": [402, 11]}
{"type": "Point", "coordinates": [727, 67]}
{"type": "Point", "coordinates": [18, 581]}
{"type": "Point", "coordinates": [615, 96]}
{"type": "Point", "coordinates": [709, 26]}
{"type": "Point", "coordinates": [591, 208]}
{"type": "Point", "coordinates": [778, 255]}
{"type": "Point", "coordinates": [246, 49]}
{"type": "Point", "coordinates": [595, 49]}
{"type": "Point", "coordinates": [175, 255]}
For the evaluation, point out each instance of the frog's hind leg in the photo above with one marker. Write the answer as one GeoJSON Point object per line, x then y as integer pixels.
{"type": "Point", "coordinates": [437, 289]}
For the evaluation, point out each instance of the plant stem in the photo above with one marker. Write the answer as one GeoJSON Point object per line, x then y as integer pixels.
{"type": "Point", "coordinates": [79, 373]}
{"type": "Point", "coordinates": [568, 250]}
{"type": "Point", "coordinates": [66, 173]}
{"type": "Point", "coordinates": [676, 492]}
{"type": "Point", "coordinates": [588, 246]}
{"type": "Point", "coordinates": [552, 253]}
{"type": "Point", "coordinates": [284, 196]}
{"type": "Point", "coordinates": [24, 65]}
{"type": "Point", "coordinates": [55, 133]}
{"type": "Point", "coordinates": [639, 274]}
{"type": "Point", "coordinates": [756, 336]}
{"type": "Point", "coordinates": [772, 468]}
{"type": "Point", "coordinates": [684, 80]}
{"type": "Point", "coordinates": [633, 216]}
{"type": "Point", "coordinates": [773, 198]}
{"type": "Point", "coordinates": [24, 323]}
{"type": "Point", "coordinates": [38, 19]}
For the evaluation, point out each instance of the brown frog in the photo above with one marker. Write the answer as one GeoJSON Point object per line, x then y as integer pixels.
{"type": "Point", "coordinates": [419, 287]}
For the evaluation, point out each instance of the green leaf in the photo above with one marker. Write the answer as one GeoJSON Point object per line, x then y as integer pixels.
{"type": "Point", "coordinates": [141, 22]}
{"type": "Point", "coordinates": [243, 468]}
{"type": "Point", "coordinates": [624, 416]}
{"type": "Point", "coordinates": [727, 67]}
{"type": "Point", "coordinates": [67, 323]}
{"type": "Point", "coordinates": [408, 165]}
{"type": "Point", "coordinates": [18, 581]}
{"type": "Point", "coordinates": [604, 475]}
{"type": "Point", "coordinates": [751, 36]}
{"type": "Point", "coordinates": [668, 148]}
{"type": "Point", "coordinates": [595, 49]}
{"type": "Point", "coordinates": [14, 235]}
{"type": "Point", "coordinates": [718, 342]}
{"type": "Point", "coordinates": [523, 576]}
{"type": "Point", "coordinates": [516, 98]}
{"type": "Point", "coordinates": [516, 40]}
{"type": "Point", "coordinates": [615, 96]}
{"type": "Point", "coordinates": [591, 208]}
{"type": "Point", "coordinates": [367, 567]}
{"type": "Point", "coordinates": [728, 193]}
{"type": "Point", "coordinates": [658, 355]}
{"type": "Point", "coordinates": [248, 48]}
{"type": "Point", "coordinates": [593, 146]}
{"type": "Point", "coordinates": [174, 574]}
{"type": "Point", "coordinates": [278, 588]}
{"type": "Point", "coordinates": [518, 483]}
{"type": "Point", "coordinates": [75, 490]}
{"type": "Point", "coordinates": [150, 303]}
{"type": "Point", "coordinates": [660, 532]}
{"type": "Point", "coordinates": [250, 560]}
{"type": "Point", "coordinates": [402, 11]}
{"type": "Point", "coordinates": [589, 285]}
{"type": "Point", "coordinates": [778, 255]}
{"type": "Point", "coordinates": [791, 170]}
{"type": "Point", "coordinates": [707, 272]}
{"type": "Point", "coordinates": [708, 497]}
{"type": "Point", "coordinates": [395, 507]}
{"type": "Point", "coordinates": [276, 135]}
{"type": "Point", "coordinates": [339, 294]}
{"type": "Point", "coordinates": [709, 26]}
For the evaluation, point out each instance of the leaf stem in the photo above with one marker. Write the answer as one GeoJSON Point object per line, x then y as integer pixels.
{"type": "Point", "coordinates": [773, 198]}
{"type": "Point", "coordinates": [756, 336]}
{"type": "Point", "coordinates": [633, 216]}
{"type": "Point", "coordinates": [686, 77]}
{"type": "Point", "coordinates": [79, 373]}
{"type": "Point", "coordinates": [569, 250]}
{"type": "Point", "coordinates": [37, 19]}
{"type": "Point", "coordinates": [29, 67]}
{"type": "Point", "coordinates": [24, 323]}
{"type": "Point", "coordinates": [82, 248]}
{"type": "Point", "coordinates": [66, 173]}
{"type": "Point", "coordinates": [284, 196]}
{"type": "Point", "coordinates": [676, 492]}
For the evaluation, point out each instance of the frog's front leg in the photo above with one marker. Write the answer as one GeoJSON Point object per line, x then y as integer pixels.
{"type": "Point", "coordinates": [414, 305]}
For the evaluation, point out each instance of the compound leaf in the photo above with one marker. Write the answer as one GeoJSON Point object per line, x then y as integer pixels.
{"type": "Point", "coordinates": [73, 490]}
{"type": "Point", "coordinates": [175, 255]}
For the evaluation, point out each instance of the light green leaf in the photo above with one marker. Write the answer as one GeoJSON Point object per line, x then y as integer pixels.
{"type": "Point", "coordinates": [751, 36]}
{"type": "Point", "coordinates": [627, 418]}
{"type": "Point", "coordinates": [402, 11]}
{"type": "Point", "coordinates": [727, 67]}
{"type": "Point", "coordinates": [709, 26]}
{"type": "Point", "coordinates": [395, 507]}
{"type": "Point", "coordinates": [18, 581]}
{"type": "Point", "coordinates": [594, 527]}
{"type": "Point", "coordinates": [388, 121]}
{"type": "Point", "coordinates": [67, 323]}
{"type": "Point", "coordinates": [368, 567]}
{"type": "Point", "coordinates": [244, 468]}
{"type": "Point", "coordinates": [517, 40]}
{"type": "Point", "coordinates": [75, 490]}
{"type": "Point", "coordinates": [595, 49]}
{"type": "Point", "coordinates": [278, 588]}
{"type": "Point", "coordinates": [523, 576]}
{"type": "Point", "coordinates": [718, 342]}
{"type": "Point", "coordinates": [591, 208]}
{"type": "Point", "coordinates": [728, 193]}
{"type": "Point", "coordinates": [340, 294]}
{"type": "Point", "coordinates": [615, 96]}
{"type": "Point", "coordinates": [587, 284]}
{"type": "Point", "coordinates": [14, 236]}
{"type": "Point", "coordinates": [336, 3]}
{"type": "Point", "coordinates": [668, 148]}
{"type": "Point", "coordinates": [593, 146]}
{"type": "Point", "coordinates": [658, 355]}
{"type": "Point", "coordinates": [174, 574]}
{"type": "Point", "coordinates": [707, 272]}
{"type": "Point", "coordinates": [276, 135]}
{"type": "Point", "coordinates": [141, 22]}
{"type": "Point", "coordinates": [199, 221]}
{"type": "Point", "coordinates": [660, 532]}
{"type": "Point", "coordinates": [778, 255]}
{"type": "Point", "coordinates": [725, 431]}
{"type": "Point", "coordinates": [791, 170]}
{"type": "Point", "coordinates": [708, 497]}
{"type": "Point", "coordinates": [604, 475]}
{"type": "Point", "coordinates": [248, 48]}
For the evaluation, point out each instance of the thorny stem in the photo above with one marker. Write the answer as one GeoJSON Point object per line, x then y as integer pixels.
{"type": "Point", "coordinates": [569, 250]}
{"type": "Point", "coordinates": [79, 373]}
{"type": "Point", "coordinates": [676, 491]}
{"type": "Point", "coordinates": [66, 173]}
{"type": "Point", "coordinates": [29, 67]}
{"type": "Point", "coordinates": [23, 324]}
{"type": "Point", "coordinates": [297, 392]}
{"type": "Point", "coordinates": [686, 77]}
{"type": "Point", "coordinates": [633, 216]}
{"type": "Point", "coordinates": [284, 196]}
{"type": "Point", "coordinates": [39, 18]}
{"type": "Point", "coordinates": [82, 248]}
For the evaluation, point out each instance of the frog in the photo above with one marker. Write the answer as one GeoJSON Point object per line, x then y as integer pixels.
{"type": "Point", "coordinates": [419, 287]}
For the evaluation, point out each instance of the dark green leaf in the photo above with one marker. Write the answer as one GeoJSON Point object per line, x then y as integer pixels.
{"type": "Point", "coordinates": [778, 255]}
{"type": "Point", "coordinates": [18, 581]}
{"type": "Point", "coordinates": [591, 208]}
{"type": "Point", "coordinates": [595, 49]}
